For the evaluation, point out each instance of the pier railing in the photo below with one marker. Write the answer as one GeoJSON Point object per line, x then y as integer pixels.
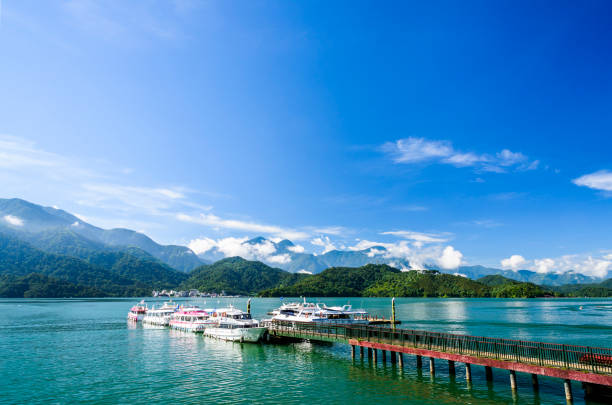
{"type": "Point", "coordinates": [581, 358]}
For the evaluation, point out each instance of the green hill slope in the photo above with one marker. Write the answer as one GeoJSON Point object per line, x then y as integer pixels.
{"type": "Point", "coordinates": [111, 273]}
{"type": "Point", "coordinates": [236, 275]}
{"type": "Point", "coordinates": [335, 282]}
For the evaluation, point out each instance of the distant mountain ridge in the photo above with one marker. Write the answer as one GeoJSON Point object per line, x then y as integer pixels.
{"type": "Point", "coordinates": [315, 264]}
{"type": "Point", "coordinates": [56, 231]}
{"type": "Point", "coordinates": [32, 271]}
{"type": "Point", "coordinates": [39, 225]}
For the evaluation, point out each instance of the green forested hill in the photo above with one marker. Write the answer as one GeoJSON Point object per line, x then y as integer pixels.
{"type": "Point", "coordinates": [426, 283]}
{"type": "Point", "coordinates": [236, 275]}
{"type": "Point", "coordinates": [36, 285]}
{"type": "Point", "coordinates": [385, 281]}
{"type": "Point", "coordinates": [335, 282]}
{"type": "Point", "coordinates": [111, 273]}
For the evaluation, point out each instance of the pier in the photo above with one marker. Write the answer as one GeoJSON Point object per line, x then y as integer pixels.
{"type": "Point", "coordinates": [590, 365]}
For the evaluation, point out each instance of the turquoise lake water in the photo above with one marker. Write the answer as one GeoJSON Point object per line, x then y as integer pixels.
{"type": "Point", "coordinates": [83, 350]}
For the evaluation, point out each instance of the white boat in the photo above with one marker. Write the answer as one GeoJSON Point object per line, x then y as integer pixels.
{"type": "Point", "coordinates": [234, 325]}
{"type": "Point", "coordinates": [137, 312]}
{"type": "Point", "coordinates": [160, 316]}
{"type": "Point", "coordinates": [320, 313]}
{"type": "Point", "coordinates": [192, 319]}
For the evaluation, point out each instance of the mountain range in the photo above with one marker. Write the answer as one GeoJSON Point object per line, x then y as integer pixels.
{"type": "Point", "coordinates": [127, 260]}
{"type": "Point", "coordinates": [57, 231]}
{"type": "Point", "coordinates": [314, 264]}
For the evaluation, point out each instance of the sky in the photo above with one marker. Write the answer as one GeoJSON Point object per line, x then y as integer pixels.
{"type": "Point", "coordinates": [462, 132]}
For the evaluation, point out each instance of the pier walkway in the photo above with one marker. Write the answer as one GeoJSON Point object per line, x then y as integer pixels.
{"type": "Point", "coordinates": [590, 365]}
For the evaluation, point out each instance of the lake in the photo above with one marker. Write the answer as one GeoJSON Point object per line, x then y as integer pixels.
{"type": "Point", "coordinates": [84, 350]}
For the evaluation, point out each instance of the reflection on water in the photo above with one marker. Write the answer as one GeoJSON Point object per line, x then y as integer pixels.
{"type": "Point", "coordinates": [86, 351]}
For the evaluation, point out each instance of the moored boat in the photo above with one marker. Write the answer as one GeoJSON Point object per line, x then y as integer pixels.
{"type": "Point", "coordinates": [320, 313]}
{"type": "Point", "coordinates": [234, 325]}
{"type": "Point", "coordinates": [192, 319]}
{"type": "Point", "coordinates": [160, 316]}
{"type": "Point", "coordinates": [137, 312]}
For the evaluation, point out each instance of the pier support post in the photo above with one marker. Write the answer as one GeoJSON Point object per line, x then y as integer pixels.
{"type": "Point", "coordinates": [489, 373]}
{"type": "Point", "coordinates": [361, 351]}
{"type": "Point", "coordinates": [353, 352]}
{"type": "Point", "coordinates": [451, 367]}
{"type": "Point", "coordinates": [369, 352]}
{"type": "Point", "coordinates": [468, 372]}
{"type": "Point", "coordinates": [534, 381]}
{"type": "Point", "coordinates": [567, 384]}
{"type": "Point", "coordinates": [432, 366]}
{"type": "Point", "coordinates": [375, 355]}
{"type": "Point", "coordinates": [513, 380]}
{"type": "Point", "coordinates": [400, 358]}
{"type": "Point", "coordinates": [393, 358]}
{"type": "Point", "coordinates": [384, 356]}
{"type": "Point", "coordinates": [419, 362]}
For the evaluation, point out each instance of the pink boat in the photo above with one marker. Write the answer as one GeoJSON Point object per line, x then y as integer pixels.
{"type": "Point", "coordinates": [137, 312]}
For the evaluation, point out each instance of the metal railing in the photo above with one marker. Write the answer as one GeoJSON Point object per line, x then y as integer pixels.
{"type": "Point", "coordinates": [582, 358]}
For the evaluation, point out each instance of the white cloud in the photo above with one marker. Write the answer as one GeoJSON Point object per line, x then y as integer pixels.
{"type": "Point", "coordinates": [579, 263]}
{"type": "Point", "coordinates": [417, 255]}
{"type": "Point", "coordinates": [330, 230]}
{"type": "Point", "coordinates": [325, 242]}
{"type": "Point", "coordinates": [514, 262]}
{"type": "Point", "coordinates": [601, 180]}
{"type": "Point", "coordinates": [544, 265]}
{"type": "Point", "coordinates": [450, 259]}
{"type": "Point", "coordinates": [202, 245]}
{"type": "Point", "coordinates": [419, 237]}
{"type": "Point", "coordinates": [13, 220]}
{"type": "Point", "coordinates": [509, 158]}
{"type": "Point", "coordinates": [302, 271]}
{"type": "Point", "coordinates": [296, 249]}
{"type": "Point", "coordinates": [231, 246]}
{"type": "Point", "coordinates": [416, 150]}
{"type": "Point", "coordinates": [280, 259]}
{"type": "Point", "coordinates": [214, 221]}
{"type": "Point", "coordinates": [412, 150]}
{"type": "Point", "coordinates": [465, 159]}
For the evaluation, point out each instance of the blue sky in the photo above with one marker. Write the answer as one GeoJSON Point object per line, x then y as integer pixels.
{"type": "Point", "coordinates": [480, 126]}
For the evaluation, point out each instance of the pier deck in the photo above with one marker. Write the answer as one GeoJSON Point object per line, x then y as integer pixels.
{"type": "Point", "coordinates": [579, 363]}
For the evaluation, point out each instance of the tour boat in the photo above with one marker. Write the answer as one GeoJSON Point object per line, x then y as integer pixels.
{"type": "Point", "coordinates": [137, 312]}
{"type": "Point", "coordinates": [234, 325]}
{"type": "Point", "coordinates": [320, 313]}
{"type": "Point", "coordinates": [192, 319]}
{"type": "Point", "coordinates": [160, 316]}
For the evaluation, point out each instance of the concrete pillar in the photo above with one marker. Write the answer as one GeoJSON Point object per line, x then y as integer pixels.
{"type": "Point", "coordinates": [419, 362]}
{"type": "Point", "coordinates": [384, 356]}
{"type": "Point", "coordinates": [468, 372]}
{"type": "Point", "coordinates": [400, 358]}
{"type": "Point", "coordinates": [432, 366]}
{"type": "Point", "coordinates": [534, 381]}
{"type": "Point", "coordinates": [513, 380]}
{"type": "Point", "coordinates": [353, 352]}
{"type": "Point", "coordinates": [489, 373]}
{"type": "Point", "coordinates": [375, 355]}
{"type": "Point", "coordinates": [361, 351]}
{"type": "Point", "coordinates": [567, 384]}
{"type": "Point", "coordinates": [451, 367]}
{"type": "Point", "coordinates": [393, 358]}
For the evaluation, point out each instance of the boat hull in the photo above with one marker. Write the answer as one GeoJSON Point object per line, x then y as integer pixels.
{"type": "Point", "coordinates": [252, 335]}
{"type": "Point", "coordinates": [157, 321]}
{"type": "Point", "coordinates": [135, 318]}
{"type": "Point", "coordinates": [196, 327]}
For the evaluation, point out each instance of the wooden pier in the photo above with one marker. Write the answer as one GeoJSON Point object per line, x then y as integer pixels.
{"type": "Point", "coordinates": [589, 365]}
